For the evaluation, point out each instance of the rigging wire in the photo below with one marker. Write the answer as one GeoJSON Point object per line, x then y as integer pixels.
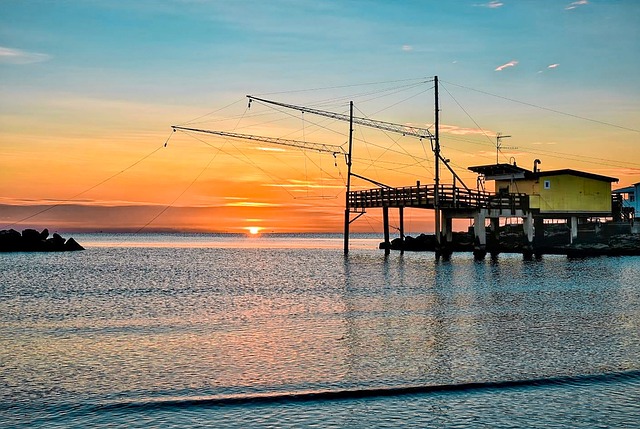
{"type": "Point", "coordinates": [247, 160]}
{"type": "Point", "coordinates": [211, 113]}
{"type": "Point", "coordinates": [548, 109]}
{"type": "Point", "coordinates": [91, 187]}
{"type": "Point", "coordinates": [379, 94]}
{"type": "Point", "coordinates": [180, 195]}
{"type": "Point", "coordinates": [467, 113]}
{"type": "Point", "coordinates": [347, 86]}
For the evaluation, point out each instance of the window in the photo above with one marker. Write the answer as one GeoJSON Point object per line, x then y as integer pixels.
{"type": "Point", "coordinates": [547, 184]}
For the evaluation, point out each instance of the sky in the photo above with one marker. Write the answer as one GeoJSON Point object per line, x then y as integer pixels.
{"type": "Point", "coordinates": [89, 90]}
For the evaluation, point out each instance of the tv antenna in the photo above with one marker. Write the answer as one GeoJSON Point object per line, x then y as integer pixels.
{"type": "Point", "coordinates": [499, 146]}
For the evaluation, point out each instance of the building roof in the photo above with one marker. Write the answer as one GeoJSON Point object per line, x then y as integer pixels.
{"type": "Point", "coordinates": [498, 169]}
{"type": "Point", "coordinates": [570, 172]}
{"type": "Point", "coordinates": [508, 171]}
{"type": "Point", "coordinates": [627, 190]}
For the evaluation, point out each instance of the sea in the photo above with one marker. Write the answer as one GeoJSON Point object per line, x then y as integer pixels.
{"type": "Point", "coordinates": [285, 331]}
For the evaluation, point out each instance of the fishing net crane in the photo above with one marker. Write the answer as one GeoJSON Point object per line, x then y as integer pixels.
{"type": "Point", "coordinates": [405, 130]}
{"type": "Point", "coordinates": [317, 147]}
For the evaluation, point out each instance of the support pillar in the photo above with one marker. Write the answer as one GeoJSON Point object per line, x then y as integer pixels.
{"type": "Point", "coordinates": [385, 222]}
{"type": "Point", "coordinates": [494, 241]}
{"type": "Point", "coordinates": [538, 236]}
{"type": "Point", "coordinates": [401, 219]}
{"type": "Point", "coordinates": [480, 233]}
{"type": "Point", "coordinates": [346, 231]}
{"type": "Point", "coordinates": [574, 228]}
{"type": "Point", "coordinates": [527, 223]}
{"type": "Point", "coordinates": [446, 239]}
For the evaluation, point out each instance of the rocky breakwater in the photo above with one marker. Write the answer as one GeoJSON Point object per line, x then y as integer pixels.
{"type": "Point", "coordinates": [33, 241]}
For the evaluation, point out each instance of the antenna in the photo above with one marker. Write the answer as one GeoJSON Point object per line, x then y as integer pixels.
{"type": "Point", "coordinates": [499, 146]}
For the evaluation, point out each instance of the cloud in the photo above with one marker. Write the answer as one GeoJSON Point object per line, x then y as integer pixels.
{"type": "Point", "coordinates": [271, 149]}
{"type": "Point", "coordinates": [407, 48]}
{"type": "Point", "coordinates": [252, 204]}
{"type": "Point", "coordinates": [454, 129]}
{"type": "Point", "coordinates": [18, 56]}
{"type": "Point", "coordinates": [575, 4]}
{"type": "Point", "coordinates": [512, 63]}
{"type": "Point", "coordinates": [553, 66]}
{"type": "Point", "coordinates": [491, 5]}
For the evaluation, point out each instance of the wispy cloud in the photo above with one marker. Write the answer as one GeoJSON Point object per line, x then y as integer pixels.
{"type": "Point", "coordinates": [251, 204]}
{"type": "Point", "coordinates": [454, 129]}
{"type": "Point", "coordinates": [575, 4]}
{"type": "Point", "coordinates": [512, 63]}
{"type": "Point", "coordinates": [491, 5]}
{"type": "Point", "coordinates": [18, 56]}
{"type": "Point", "coordinates": [550, 66]}
{"type": "Point", "coordinates": [407, 48]}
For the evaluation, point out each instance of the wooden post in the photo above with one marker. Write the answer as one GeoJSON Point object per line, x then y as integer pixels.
{"type": "Point", "coordinates": [385, 222]}
{"type": "Point", "coordinates": [347, 219]}
{"type": "Point", "coordinates": [436, 150]}
{"type": "Point", "coordinates": [401, 216]}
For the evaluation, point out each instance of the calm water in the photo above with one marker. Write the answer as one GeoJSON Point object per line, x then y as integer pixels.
{"type": "Point", "coordinates": [219, 331]}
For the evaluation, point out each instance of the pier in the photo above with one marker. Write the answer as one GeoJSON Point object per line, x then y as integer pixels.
{"type": "Point", "coordinates": [449, 202]}
{"type": "Point", "coordinates": [534, 197]}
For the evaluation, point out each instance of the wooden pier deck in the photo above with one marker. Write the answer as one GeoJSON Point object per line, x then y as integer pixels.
{"type": "Point", "coordinates": [449, 198]}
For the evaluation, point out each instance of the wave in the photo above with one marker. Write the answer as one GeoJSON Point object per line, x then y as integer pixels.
{"type": "Point", "coordinates": [334, 395]}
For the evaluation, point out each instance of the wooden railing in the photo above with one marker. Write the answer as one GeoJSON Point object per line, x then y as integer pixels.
{"type": "Point", "coordinates": [424, 197]}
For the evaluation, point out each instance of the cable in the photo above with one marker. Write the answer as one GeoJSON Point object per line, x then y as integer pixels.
{"type": "Point", "coordinates": [90, 188]}
{"type": "Point", "coordinates": [179, 196]}
{"type": "Point", "coordinates": [548, 109]}
{"type": "Point", "coordinates": [345, 86]}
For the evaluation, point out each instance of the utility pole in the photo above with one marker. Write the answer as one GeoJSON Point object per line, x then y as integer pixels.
{"type": "Point", "coordinates": [346, 205]}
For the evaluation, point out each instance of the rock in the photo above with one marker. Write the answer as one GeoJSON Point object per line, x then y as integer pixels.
{"type": "Point", "coordinates": [72, 245]}
{"type": "Point", "coordinates": [57, 240]}
{"type": "Point", "coordinates": [33, 241]}
{"type": "Point", "coordinates": [10, 240]}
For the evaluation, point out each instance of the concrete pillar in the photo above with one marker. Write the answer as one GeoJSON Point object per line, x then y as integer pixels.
{"type": "Point", "coordinates": [527, 223]}
{"type": "Point", "coordinates": [493, 245]}
{"type": "Point", "coordinates": [574, 228]}
{"type": "Point", "coordinates": [480, 233]}
{"type": "Point", "coordinates": [538, 235]}
{"type": "Point", "coordinates": [446, 242]}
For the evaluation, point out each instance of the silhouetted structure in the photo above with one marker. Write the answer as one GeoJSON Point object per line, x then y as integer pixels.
{"type": "Point", "coordinates": [33, 241]}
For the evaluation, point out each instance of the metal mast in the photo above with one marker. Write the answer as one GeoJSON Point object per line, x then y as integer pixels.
{"type": "Point", "coordinates": [347, 215]}
{"type": "Point", "coordinates": [436, 150]}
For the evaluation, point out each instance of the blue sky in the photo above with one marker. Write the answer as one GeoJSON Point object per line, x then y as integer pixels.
{"type": "Point", "coordinates": [167, 48]}
{"type": "Point", "coordinates": [98, 82]}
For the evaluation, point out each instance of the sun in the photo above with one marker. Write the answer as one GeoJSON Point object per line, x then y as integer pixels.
{"type": "Point", "coordinates": [254, 230]}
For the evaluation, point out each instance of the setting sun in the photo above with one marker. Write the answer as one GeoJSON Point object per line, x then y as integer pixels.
{"type": "Point", "coordinates": [254, 230]}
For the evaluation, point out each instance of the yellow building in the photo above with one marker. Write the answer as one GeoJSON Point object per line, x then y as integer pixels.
{"type": "Point", "coordinates": [553, 194]}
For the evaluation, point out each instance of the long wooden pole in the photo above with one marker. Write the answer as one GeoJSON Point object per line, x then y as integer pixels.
{"type": "Point", "coordinates": [346, 205]}
{"type": "Point", "coordinates": [436, 149]}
